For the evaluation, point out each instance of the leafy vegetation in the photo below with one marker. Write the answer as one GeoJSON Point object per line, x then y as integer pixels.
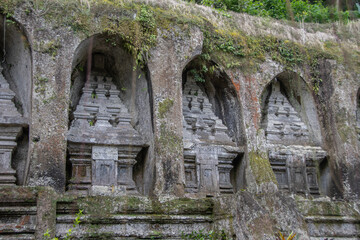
{"type": "Point", "coordinates": [282, 237]}
{"type": "Point", "coordinates": [298, 10]}
{"type": "Point", "coordinates": [70, 230]}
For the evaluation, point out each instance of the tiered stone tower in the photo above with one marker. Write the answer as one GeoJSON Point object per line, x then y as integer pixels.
{"type": "Point", "coordinates": [293, 158]}
{"type": "Point", "coordinates": [11, 125]}
{"type": "Point", "coordinates": [208, 150]}
{"type": "Point", "coordinates": [101, 141]}
{"type": "Point", "coordinates": [285, 125]}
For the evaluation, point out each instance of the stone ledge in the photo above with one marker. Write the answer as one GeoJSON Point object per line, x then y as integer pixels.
{"type": "Point", "coordinates": [130, 219]}
{"type": "Point", "coordinates": [334, 219]}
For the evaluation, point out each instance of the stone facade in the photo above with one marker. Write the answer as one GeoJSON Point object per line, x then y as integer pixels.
{"type": "Point", "coordinates": [151, 153]}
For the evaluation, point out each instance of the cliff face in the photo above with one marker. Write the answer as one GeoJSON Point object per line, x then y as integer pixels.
{"type": "Point", "coordinates": [226, 122]}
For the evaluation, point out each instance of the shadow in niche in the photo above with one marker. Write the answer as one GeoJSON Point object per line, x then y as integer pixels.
{"type": "Point", "coordinates": [134, 91]}
{"type": "Point", "coordinates": [213, 118]}
{"type": "Point", "coordinates": [68, 169]}
{"type": "Point", "coordinates": [358, 114]}
{"type": "Point", "coordinates": [324, 176]}
{"type": "Point", "coordinates": [138, 170]}
{"type": "Point", "coordinates": [20, 155]}
{"type": "Point", "coordinates": [237, 177]}
{"type": "Point", "coordinates": [326, 184]}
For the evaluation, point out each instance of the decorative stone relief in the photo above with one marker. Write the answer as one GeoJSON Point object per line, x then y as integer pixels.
{"type": "Point", "coordinates": [208, 150]}
{"type": "Point", "coordinates": [295, 168]}
{"type": "Point", "coordinates": [283, 122]}
{"type": "Point", "coordinates": [292, 159]}
{"type": "Point", "coordinates": [102, 143]}
{"type": "Point", "coordinates": [11, 125]}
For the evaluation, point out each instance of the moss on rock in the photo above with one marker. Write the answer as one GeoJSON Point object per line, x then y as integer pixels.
{"type": "Point", "coordinates": [136, 24]}
{"type": "Point", "coordinates": [261, 168]}
{"type": "Point", "coordinates": [164, 107]}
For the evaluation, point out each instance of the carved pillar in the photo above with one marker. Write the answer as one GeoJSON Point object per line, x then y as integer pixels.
{"type": "Point", "coordinates": [11, 124]}
{"type": "Point", "coordinates": [191, 177]}
{"type": "Point", "coordinates": [225, 159]}
{"type": "Point", "coordinates": [8, 137]}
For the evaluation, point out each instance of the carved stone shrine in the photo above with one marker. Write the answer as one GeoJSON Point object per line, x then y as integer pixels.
{"type": "Point", "coordinates": [11, 126]}
{"type": "Point", "coordinates": [208, 150]}
{"type": "Point", "coordinates": [102, 143]}
{"type": "Point", "coordinates": [293, 158]}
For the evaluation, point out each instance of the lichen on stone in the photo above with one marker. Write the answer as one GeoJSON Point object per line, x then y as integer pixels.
{"type": "Point", "coordinates": [261, 168]}
{"type": "Point", "coordinates": [165, 106]}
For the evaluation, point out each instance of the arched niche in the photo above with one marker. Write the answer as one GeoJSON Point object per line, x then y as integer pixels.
{"type": "Point", "coordinates": [298, 95]}
{"type": "Point", "coordinates": [108, 89]}
{"type": "Point", "coordinates": [213, 131]}
{"type": "Point", "coordinates": [293, 136]}
{"type": "Point", "coordinates": [16, 89]}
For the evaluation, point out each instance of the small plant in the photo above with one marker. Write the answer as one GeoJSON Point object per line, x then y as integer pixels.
{"type": "Point", "coordinates": [40, 84]}
{"type": "Point", "coordinates": [50, 47]}
{"type": "Point", "coordinates": [281, 237]}
{"type": "Point", "coordinates": [198, 75]}
{"type": "Point", "coordinates": [69, 232]}
{"type": "Point", "coordinates": [93, 95]}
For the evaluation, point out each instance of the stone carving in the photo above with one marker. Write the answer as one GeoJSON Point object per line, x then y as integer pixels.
{"type": "Point", "coordinates": [208, 150]}
{"type": "Point", "coordinates": [295, 166]}
{"type": "Point", "coordinates": [283, 122]}
{"type": "Point", "coordinates": [102, 143]}
{"type": "Point", "coordinates": [11, 125]}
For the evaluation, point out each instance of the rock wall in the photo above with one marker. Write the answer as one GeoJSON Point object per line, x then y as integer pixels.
{"type": "Point", "coordinates": [132, 114]}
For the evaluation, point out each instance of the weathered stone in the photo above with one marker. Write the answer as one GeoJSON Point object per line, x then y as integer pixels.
{"type": "Point", "coordinates": [283, 123]}
{"type": "Point", "coordinates": [208, 150]}
{"type": "Point", "coordinates": [312, 144]}
{"type": "Point", "coordinates": [102, 142]}
{"type": "Point", "coordinates": [296, 168]}
{"type": "Point", "coordinates": [18, 213]}
{"type": "Point", "coordinates": [330, 219]}
{"type": "Point", "coordinates": [294, 165]}
{"type": "Point", "coordinates": [133, 217]}
{"type": "Point", "coordinates": [11, 124]}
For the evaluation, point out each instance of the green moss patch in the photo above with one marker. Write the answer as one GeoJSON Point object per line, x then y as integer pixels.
{"type": "Point", "coordinates": [261, 168]}
{"type": "Point", "coordinates": [327, 208]}
{"type": "Point", "coordinates": [165, 106]}
{"type": "Point", "coordinates": [168, 142]}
